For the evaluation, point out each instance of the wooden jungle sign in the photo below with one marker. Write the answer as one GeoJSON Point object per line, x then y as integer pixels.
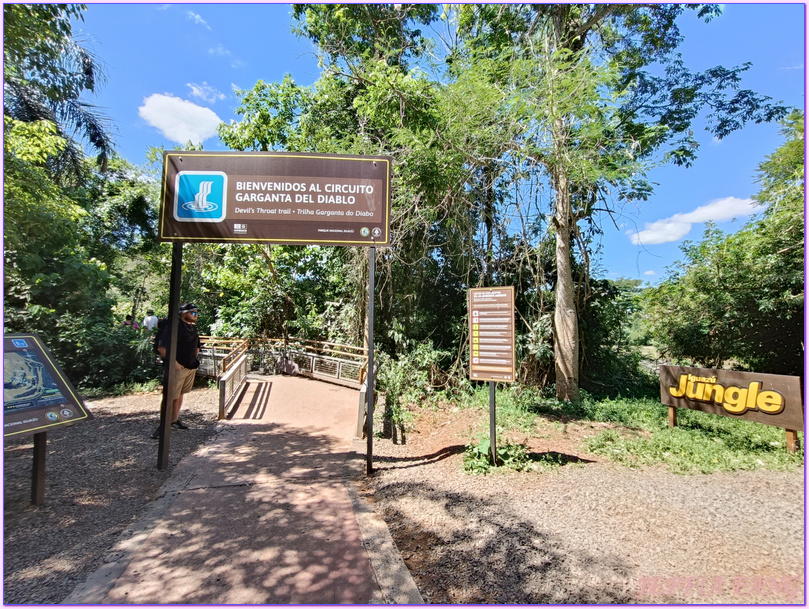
{"type": "Point", "coordinates": [765, 398]}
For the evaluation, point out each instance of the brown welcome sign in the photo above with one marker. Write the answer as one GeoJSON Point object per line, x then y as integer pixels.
{"type": "Point", "coordinates": [275, 197]}
{"type": "Point", "coordinates": [771, 399]}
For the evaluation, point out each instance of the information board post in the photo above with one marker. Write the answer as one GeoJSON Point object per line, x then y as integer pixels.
{"type": "Point", "coordinates": [492, 423]}
{"type": "Point", "coordinates": [369, 394]}
{"type": "Point", "coordinates": [492, 345]}
{"type": "Point", "coordinates": [38, 472]}
{"type": "Point", "coordinates": [37, 396]}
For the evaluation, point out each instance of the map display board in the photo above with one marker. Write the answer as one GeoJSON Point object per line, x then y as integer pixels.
{"type": "Point", "coordinates": [491, 332]}
{"type": "Point", "coordinates": [289, 198]}
{"type": "Point", "coordinates": [36, 394]}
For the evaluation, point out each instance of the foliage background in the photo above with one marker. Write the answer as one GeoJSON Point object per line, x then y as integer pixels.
{"type": "Point", "coordinates": [504, 143]}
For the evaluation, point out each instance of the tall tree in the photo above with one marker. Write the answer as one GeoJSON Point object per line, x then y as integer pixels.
{"type": "Point", "coordinates": [595, 142]}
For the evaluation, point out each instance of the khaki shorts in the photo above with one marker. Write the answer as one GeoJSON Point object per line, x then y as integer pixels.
{"type": "Point", "coordinates": [183, 382]}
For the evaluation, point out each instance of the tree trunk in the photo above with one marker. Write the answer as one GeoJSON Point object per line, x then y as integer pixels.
{"type": "Point", "coordinates": [565, 318]}
{"type": "Point", "coordinates": [488, 219]}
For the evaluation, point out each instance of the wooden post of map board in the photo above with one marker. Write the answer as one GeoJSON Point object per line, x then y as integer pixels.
{"type": "Point", "coordinates": [672, 416]}
{"type": "Point", "coordinates": [38, 471]}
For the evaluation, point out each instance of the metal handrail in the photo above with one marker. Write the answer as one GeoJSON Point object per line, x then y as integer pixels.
{"type": "Point", "coordinates": [230, 384]}
{"type": "Point", "coordinates": [234, 347]}
{"type": "Point", "coordinates": [231, 357]}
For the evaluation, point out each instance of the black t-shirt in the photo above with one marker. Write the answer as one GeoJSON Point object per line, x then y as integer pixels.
{"type": "Point", "coordinates": [187, 343]}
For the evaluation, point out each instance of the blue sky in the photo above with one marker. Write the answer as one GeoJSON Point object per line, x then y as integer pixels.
{"type": "Point", "coordinates": [172, 70]}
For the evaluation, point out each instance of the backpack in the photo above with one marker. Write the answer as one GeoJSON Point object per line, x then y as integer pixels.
{"type": "Point", "coordinates": [162, 325]}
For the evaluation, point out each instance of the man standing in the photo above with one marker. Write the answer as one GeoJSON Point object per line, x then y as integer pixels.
{"type": "Point", "coordinates": [150, 321]}
{"type": "Point", "coordinates": [188, 345]}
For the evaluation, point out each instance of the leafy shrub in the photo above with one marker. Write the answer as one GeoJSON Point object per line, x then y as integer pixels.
{"type": "Point", "coordinates": [97, 356]}
{"type": "Point", "coordinates": [407, 380]}
{"type": "Point", "coordinates": [477, 457]}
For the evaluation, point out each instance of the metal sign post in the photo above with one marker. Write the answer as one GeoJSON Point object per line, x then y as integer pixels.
{"type": "Point", "coordinates": [369, 422]}
{"type": "Point", "coordinates": [167, 405]}
{"type": "Point", "coordinates": [38, 471]}
{"type": "Point", "coordinates": [492, 423]}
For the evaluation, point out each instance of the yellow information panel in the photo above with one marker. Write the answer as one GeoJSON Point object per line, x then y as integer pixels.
{"type": "Point", "coordinates": [491, 332]}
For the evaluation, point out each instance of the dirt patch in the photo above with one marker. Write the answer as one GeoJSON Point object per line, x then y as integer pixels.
{"type": "Point", "coordinates": [100, 475]}
{"type": "Point", "coordinates": [585, 531]}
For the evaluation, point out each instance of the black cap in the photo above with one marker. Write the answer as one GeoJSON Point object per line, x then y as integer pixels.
{"type": "Point", "coordinates": [187, 307]}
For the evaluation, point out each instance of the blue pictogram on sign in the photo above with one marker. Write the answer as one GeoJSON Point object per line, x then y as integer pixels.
{"type": "Point", "coordinates": [200, 196]}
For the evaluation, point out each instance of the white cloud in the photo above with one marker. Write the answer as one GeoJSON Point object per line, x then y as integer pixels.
{"type": "Point", "coordinates": [179, 120]}
{"type": "Point", "coordinates": [205, 92]}
{"type": "Point", "coordinates": [679, 225]}
{"type": "Point", "coordinates": [221, 51]}
{"type": "Point", "coordinates": [196, 18]}
{"type": "Point", "coordinates": [649, 273]}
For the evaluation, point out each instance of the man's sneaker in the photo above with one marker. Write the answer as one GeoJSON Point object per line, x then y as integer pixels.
{"type": "Point", "coordinates": [156, 434]}
{"type": "Point", "coordinates": [178, 424]}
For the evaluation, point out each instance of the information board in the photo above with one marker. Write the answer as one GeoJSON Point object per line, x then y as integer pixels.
{"type": "Point", "coordinates": [36, 394]}
{"type": "Point", "coordinates": [275, 197]}
{"type": "Point", "coordinates": [491, 332]}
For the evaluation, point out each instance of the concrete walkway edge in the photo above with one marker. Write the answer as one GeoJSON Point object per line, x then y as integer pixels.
{"type": "Point", "coordinates": [95, 588]}
{"type": "Point", "coordinates": [392, 576]}
{"type": "Point", "coordinates": [390, 571]}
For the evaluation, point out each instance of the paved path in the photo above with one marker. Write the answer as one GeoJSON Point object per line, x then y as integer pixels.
{"type": "Point", "coordinates": [266, 513]}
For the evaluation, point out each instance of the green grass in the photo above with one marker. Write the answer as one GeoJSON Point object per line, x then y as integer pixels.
{"type": "Point", "coordinates": [701, 442]}
{"type": "Point", "coordinates": [120, 389]}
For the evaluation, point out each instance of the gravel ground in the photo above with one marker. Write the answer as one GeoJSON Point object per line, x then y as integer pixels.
{"type": "Point", "coordinates": [585, 532]}
{"type": "Point", "coordinates": [100, 475]}
{"type": "Point", "coordinates": [588, 531]}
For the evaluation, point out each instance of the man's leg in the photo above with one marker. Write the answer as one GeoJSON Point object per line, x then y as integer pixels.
{"type": "Point", "coordinates": [178, 403]}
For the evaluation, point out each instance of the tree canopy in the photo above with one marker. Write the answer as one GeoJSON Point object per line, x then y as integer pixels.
{"type": "Point", "coordinates": [514, 129]}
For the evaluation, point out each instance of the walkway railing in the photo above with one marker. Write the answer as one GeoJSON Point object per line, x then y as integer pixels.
{"type": "Point", "coordinates": [343, 364]}
{"type": "Point", "coordinates": [231, 384]}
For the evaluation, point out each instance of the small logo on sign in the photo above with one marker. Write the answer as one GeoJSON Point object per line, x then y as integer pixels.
{"type": "Point", "coordinates": [200, 196]}
{"type": "Point", "coordinates": [19, 343]}
{"type": "Point", "coordinates": [51, 416]}
{"type": "Point", "coordinates": [377, 232]}
{"type": "Point", "coordinates": [240, 229]}
{"type": "Point", "coordinates": [67, 413]}
{"type": "Point", "coordinates": [364, 231]}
